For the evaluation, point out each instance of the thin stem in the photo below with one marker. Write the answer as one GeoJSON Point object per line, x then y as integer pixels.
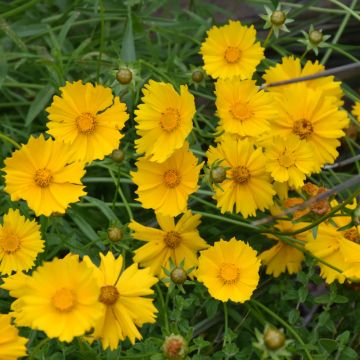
{"type": "Point", "coordinates": [226, 324]}
{"type": "Point", "coordinates": [164, 309]}
{"type": "Point", "coordinates": [19, 9]}
{"type": "Point", "coordinates": [10, 140]}
{"type": "Point", "coordinates": [349, 10]}
{"type": "Point", "coordinates": [268, 37]}
{"type": "Point", "coordinates": [102, 32]}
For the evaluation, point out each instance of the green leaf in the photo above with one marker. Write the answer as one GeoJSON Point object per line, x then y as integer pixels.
{"type": "Point", "coordinates": [84, 226]}
{"type": "Point", "coordinates": [3, 66]}
{"type": "Point", "coordinates": [323, 299]}
{"type": "Point", "coordinates": [211, 308]}
{"type": "Point", "coordinates": [329, 345]}
{"type": "Point", "coordinates": [339, 299]}
{"type": "Point", "coordinates": [104, 208]}
{"type": "Point", "coordinates": [66, 27]}
{"type": "Point", "coordinates": [128, 44]}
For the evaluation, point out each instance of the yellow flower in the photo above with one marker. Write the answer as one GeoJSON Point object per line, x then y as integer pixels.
{"type": "Point", "coordinates": [61, 299]}
{"type": "Point", "coordinates": [164, 120]}
{"type": "Point", "coordinates": [283, 257]}
{"type": "Point", "coordinates": [231, 50]}
{"type": "Point", "coordinates": [356, 110]}
{"type": "Point", "coordinates": [166, 187]}
{"type": "Point", "coordinates": [89, 118]}
{"type": "Point", "coordinates": [247, 186]}
{"type": "Point", "coordinates": [179, 242]}
{"type": "Point", "coordinates": [43, 173]}
{"type": "Point", "coordinates": [123, 301]}
{"type": "Point", "coordinates": [351, 253]}
{"type": "Point", "coordinates": [20, 242]}
{"type": "Point", "coordinates": [326, 246]}
{"type": "Point", "coordinates": [290, 159]}
{"type": "Point", "coordinates": [312, 116]}
{"type": "Point", "coordinates": [12, 346]}
{"type": "Point", "coordinates": [242, 108]}
{"type": "Point", "coordinates": [230, 270]}
{"type": "Point", "coordinates": [290, 68]}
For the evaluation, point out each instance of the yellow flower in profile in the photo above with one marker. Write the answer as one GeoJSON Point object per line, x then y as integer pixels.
{"type": "Point", "coordinates": [290, 159]}
{"type": "Point", "coordinates": [356, 110]}
{"type": "Point", "coordinates": [123, 301]}
{"type": "Point", "coordinates": [20, 242]}
{"type": "Point", "coordinates": [164, 120]}
{"type": "Point", "coordinates": [12, 346]}
{"type": "Point", "coordinates": [313, 117]}
{"type": "Point", "coordinates": [283, 257]}
{"type": "Point", "coordinates": [326, 246]}
{"type": "Point", "coordinates": [229, 270]}
{"type": "Point", "coordinates": [242, 108]}
{"type": "Point", "coordinates": [43, 173]}
{"type": "Point", "coordinates": [166, 187]}
{"type": "Point", "coordinates": [89, 118]}
{"type": "Point", "coordinates": [247, 185]}
{"type": "Point", "coordinates": [61, 299]}
{"type": "Point", "coordinates": [179, 242]}
{"type": "Point", "coordinates": [231, 50]}
{"type": "Point", "coordinates": [290, 68]}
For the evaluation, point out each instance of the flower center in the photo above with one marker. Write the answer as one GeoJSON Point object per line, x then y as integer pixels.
{"type": "Point", "coordinates": [240, 174]}
{"type": "Point", "coordinates": [352, 235]}
{"type": "Point", "coordinates": [86, 123]}
{"type": "Point", "coordinates": [43, 177]}
{"type": "Point", "coordinates": [9, 242]}
{"type": "Point", "coordinates": [241, 111]}
{"type": "Point", "coordinates": [303, 128]}
{"type": "Point", "coordinates": [170, 120]}
{"type": "Point", "coordinates": [172, 239]}
{"type": "Point", "coordinates": [286, 159]}
{"type": "Point", "coordinates": [229, 273]}
{"type": "Point", "coordinates": [64, 300]}
{"type": "Point", "coordinates": [232, 54]}
{"type": "Point", "coordinates": [172, 178]}
{"type": "Point", "coordinates": [108, 295]}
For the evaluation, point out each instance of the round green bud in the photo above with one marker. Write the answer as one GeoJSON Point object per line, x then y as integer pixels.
{"type": "Point", "coordinates": [117, 155]}
{"type": "Point", "coordinates": [315, 37]}
{"type": "Point", "coordinates": [274, 339]}
{"type": "Point", "coordinates": [178, 276]}
{"type": "Point", "coordinates": [197, 76]}
{"type": "Point", "coordinates": [115, 233]}
{"type": "Point", "coordinates": [218, 174]}
{"type": "Point", "coordinates": [124, 76]}
{"type": "Point", "coordinates": [278, 18]}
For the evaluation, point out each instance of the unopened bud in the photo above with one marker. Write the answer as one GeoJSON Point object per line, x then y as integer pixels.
{"type": "Point", "coordinates": [178, 276]}
{"type": "Point", "coordinates": [278, 18]}
{"type": "Point", "coordinates": [174, 347]}
{"type": "Point", "coordinates": [316, 37]}
{"type": "Point", "coordinates": [115, 233]}
{"type": "Point", "coordinates": [118, 155]}
{"type": "Point", "coordinates": [273, 338]}
{"type": "Point", "coordinates": [197, 76]}
{"type": "Point", "coordinates": [124, 76]}
{"type": "Point", "coordinates": [218, 174]}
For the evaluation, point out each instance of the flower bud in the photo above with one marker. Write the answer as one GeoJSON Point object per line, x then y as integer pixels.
{"type": "Point", "coordinates": [115, 233]}
{"type": "Point", "coordinates": [174, 347]}
{"type": "Point", "coordinates": [197, 76]}
{"type": "Point", "coordinates": [117, 155]}
{"type": "Point", "coordinates": [278, 18]}
{"type": "Point", "coordinates": [356, 215]}
{"type": "Point", "coordinates": [273, 338]}
{"type": "Point", "coordinates": [124, 76]}
{"type": "Point", "coordinates": [218, 174]}
{"type": "Point", "coordinates": [315, 37]}
{"type": "Point", "coordinates": [178, 275]}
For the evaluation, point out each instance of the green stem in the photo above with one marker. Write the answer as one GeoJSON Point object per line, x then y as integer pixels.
{"type": "Point", "coordinates": [349, 10]}
{"type": "Point", "coordinates": [226, 324]}
{"type": "Point", "coordinates": [164, 309]}
{"type": "Point", "coordinates": [19, 9]}
{"type": "Point", "coordinates": [10, 140]}
{"type": "Point", "coordinates": [102, 32]}
{"type": "Point", "coordinates": [268, 37]}
{"type": "Point", "coordinates": [286, 325]}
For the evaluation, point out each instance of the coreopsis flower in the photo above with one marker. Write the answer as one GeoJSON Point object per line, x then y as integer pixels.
{"type": "Point", "coordinates": [314, 118]}
{"type": "Point", "coordinates": [290, 159]}
{"type": "Point", "coordinates": [283, 257]}
{"type": "Point", "coordinates": [20, 242]}
{"type": "Point", "coordinates": [231, 50]}
{"type": "Point", "coordinates": [164, 120]}
{"type": "Point", "coordinates": [356, 111]}
{"type": "Point", "coordinates": [247, 186]}
{"type": "Point", "coordinates": [166, 187]}
{"type": "Point", "coordinates": [12, 346]}
{"type": "Point", "coordinates": [351, 253]}
{"type": "Point", "coordinates": [89, 118]}
{"type": "Point", "coordinates": [229, 270]}
{"type": "Point", "coordinates": [290, 68]}
{"type": "Point", "coordinates": [61, 299]}
{"type": "Point", "coordinates": [242, 108]}
{"type": "Point", "coordinates": [123, 299]}
{"type": "Point", "coordinates": [43, 173]}
{"type": "Point", "coordinates": [179, 242]}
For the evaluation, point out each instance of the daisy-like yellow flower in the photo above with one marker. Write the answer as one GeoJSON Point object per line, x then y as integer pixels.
{"type": "Point", "coordinates": [89, 118]}
{"type": "Point", "coordinates": [43, 173]}
{"type": "Point", "coordinates": [123, 301]}
{"type": "Point", "coordinates": [290, 159]}
{"type": "Point", "coordinates": [164, 120]}
{"type": "Point", "coordinates": [351, 253]}
{"type": "Point", "coordinates": [231, 50]}
{"type": "Point", "coordinates": [356, 110]}
{"type": "Point", "coordinates": [283, 257]}
{"type": "Point", "coordinates": [247, 185]}
{"type": "Point", "coordinates": [290, 68]}
{"type": "Point", "coordinates": [166, 187]}
{"type": "Point", "coordinates": [12, 346]}
{"type": "Point", "coordinates": [20, 242]}
{"type": "Point", "coordinates": [230, 270]}
{"type": "Point", "coordinates": [61, 299]}
{"type": "Point", "coordinates": [179, 242]}
{"type": "Point", "coordinates": [242, 108]}
{"type": "Point", "coordinates": [313, 117]}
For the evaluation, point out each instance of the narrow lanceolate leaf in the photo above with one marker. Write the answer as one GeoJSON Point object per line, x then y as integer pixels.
{"type": "Point", "coordinates": [128, 44]}
{"type": "Point", "coordinates": [3, 67]}
{"type": "Point", "coordinates": [104, 208]}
